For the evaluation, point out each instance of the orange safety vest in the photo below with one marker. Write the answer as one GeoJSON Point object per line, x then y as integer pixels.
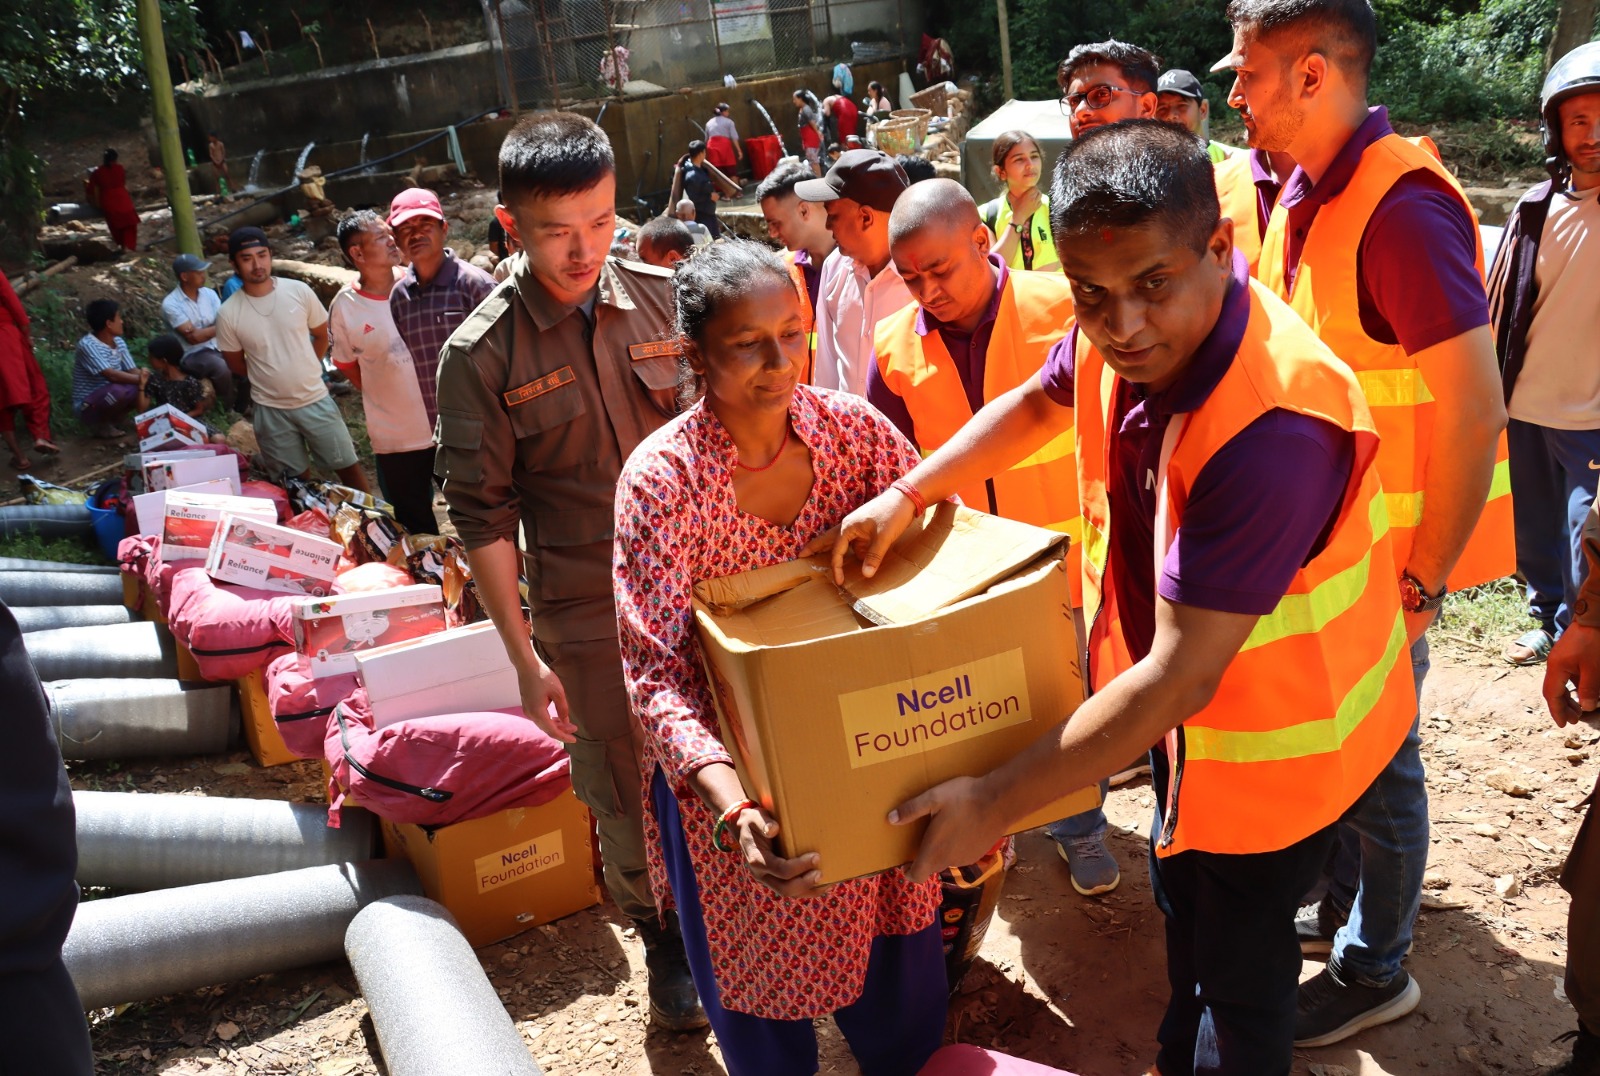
{"type": "Point", "coordinates": [1325, 295]}
{"type": "Point", "coordinates": [1035, 313]}
{"type": "Point", "coordinates": [808, 313]}
{"type": "Point", "coordinates": [1236, 190]}
{"type": "Point", "coordinates": [1319, 697]}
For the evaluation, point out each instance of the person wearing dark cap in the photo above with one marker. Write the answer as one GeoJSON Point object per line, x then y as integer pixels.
{"type": "Point", "coordinates": [1180, 100]}
{"type": "Point", "coordinates": [41, 1018]}
{"type": "Point", "coordinates": [275, 331]}
{"type": "Point", "coordinates": [860, 286]}
{"type": "Point", "coordinates": [191, 312]}
{"type": "Point", "coordinates": [723, 147]}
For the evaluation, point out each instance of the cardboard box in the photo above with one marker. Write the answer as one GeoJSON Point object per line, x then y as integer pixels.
{"type": "Point", "coordinates": [508, 872]}
{"type": "Point", "coordinates": [842, 704]}
{"type": "Point", "coordinates": [260, 730]}
{"type": "Point", "coordinates": [191, 521]}
{"type": "Point", "coordinates": [331, 632]}
{"type": "Point", "coordinates": [167, 427]}
{"type": "Point", "coordinates": [455, 671]}
{"type": "Point", "coordinates": [150, 509]}
{"type": "Point", "coordinates": [261, 554]}
{"type": "Point", "coordinates": [190, 468]}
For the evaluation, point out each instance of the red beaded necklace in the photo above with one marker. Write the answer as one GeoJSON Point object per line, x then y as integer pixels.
{"type": "Point", "coordinates": [770, 462]}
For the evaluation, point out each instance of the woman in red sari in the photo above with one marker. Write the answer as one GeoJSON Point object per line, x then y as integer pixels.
{"type": "Point", "coordinates": [743, 479]}
{"type": "Point", "coordinates": [21, 382]}
{"type": "Point", "coordinates": [108, 189]}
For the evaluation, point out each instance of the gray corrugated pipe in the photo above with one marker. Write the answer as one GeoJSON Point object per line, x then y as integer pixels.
{"type": "Point", "coordinates": [142, 718]}
{"type": "Point", "coordinates": [23, 564]}
{"type": "Point", "coordinates": [433, 1007]}
{"type": "Point", "coordinates": [47, 520]}
{"type": "Point", "coordinates": [132, 841]}
{"type": "Point", "coordinates": [147, 945]}
{"type": "Point", "coordinates": [142, 649]}
{"type": "Point", "coordinates": [48, 617]}
{"type": "Point", "coordinates": [63, 588]}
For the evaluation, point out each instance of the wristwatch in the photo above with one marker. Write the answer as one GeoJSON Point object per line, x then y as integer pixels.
{"type": "Point", "coordinates": [1414, 597]}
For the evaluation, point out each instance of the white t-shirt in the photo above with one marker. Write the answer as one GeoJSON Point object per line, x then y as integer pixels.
{"type": "Point", "coordinates": [850, 303]}
{"type": "Point", "coordinates": [363, 335]}
{"type": "Point", "coordinates": [1559, 385]}
{"type": "Point", "coordinates": [274, 332]}
{"type": "Point", "coordinates": [198, 313]}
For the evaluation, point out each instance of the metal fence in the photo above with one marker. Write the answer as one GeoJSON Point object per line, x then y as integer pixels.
{"type": "Point", "coordinates": [556, 52]}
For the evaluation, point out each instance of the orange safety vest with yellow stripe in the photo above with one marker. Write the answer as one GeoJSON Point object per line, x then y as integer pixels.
{"type": "Point", "coordinates": [1325, 295]}
{"type": "Point", "coordinates": [1236, 190]}
{"type": "Point", "coordinates": [808, 313]}
{"type": "Point", "coordinates": [1320, 696]}
{"type": "Point", "coordinates": [1035, 312]}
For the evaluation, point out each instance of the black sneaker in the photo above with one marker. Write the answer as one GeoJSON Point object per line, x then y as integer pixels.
{"type": "Point", "coordinates": [1585, 1059]}
{"type": "Point", "coordinates": [1330, 1011]}
{"type": "Point", "coordinates": [1315, 925]}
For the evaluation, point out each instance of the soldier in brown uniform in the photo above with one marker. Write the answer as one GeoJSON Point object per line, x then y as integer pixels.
{"type": "Point", "coordinates": [543, 392]}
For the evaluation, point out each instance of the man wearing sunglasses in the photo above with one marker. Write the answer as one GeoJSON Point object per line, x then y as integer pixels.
{"type": "Point", "coordinates": [1106, 82]}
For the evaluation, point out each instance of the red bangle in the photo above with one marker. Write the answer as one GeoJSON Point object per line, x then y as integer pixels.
{"type": "Point", "coordinates": [725, 820]}
{"type": "Point", "coordinates": [913, 494]}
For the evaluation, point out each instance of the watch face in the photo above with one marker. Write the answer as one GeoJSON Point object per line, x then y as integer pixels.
{"type": "Point", "coordinates": [1410, 595]}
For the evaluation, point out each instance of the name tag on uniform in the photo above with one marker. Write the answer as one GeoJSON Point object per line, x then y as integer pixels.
{"type": "Point", "coordinates": [534, 389]}
{"type": "Point", "coordinates": [655, 349]}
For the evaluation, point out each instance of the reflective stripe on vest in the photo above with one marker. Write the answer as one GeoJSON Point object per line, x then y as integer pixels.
{"type": "Point", "coordinates": [1320, 696]}
{"type": "Point", "coordinates": [1325, 294]}
{"type": "Point", "coordinates": [1044, 247]}
{"type": "Point", "coordinates": [808, 314]}
{"type": "Point", "coordinates": [1236, 190]}
{"type": "Point", "coordinates": [1035, 312]}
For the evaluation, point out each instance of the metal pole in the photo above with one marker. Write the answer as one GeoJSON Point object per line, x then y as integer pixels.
{"type": "Point", "coordinates": [166, 121]}
{"type": "Point", "coordinates": [1005, 49]}
{"type": "Point", "coordinates": [549, 56]}
{"type": "Point", "coordinates": [716, 36]}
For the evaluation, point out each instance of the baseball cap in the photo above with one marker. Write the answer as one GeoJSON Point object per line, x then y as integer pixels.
{"type": "Point", "coordinates": [188, 263]}
{"type": "Point", "coordinates": [414, 202]}
{"type": "Point", "coordinates": [1180, 81]}
{"type": "Point", "coordinates": [245, 239]}
{"type": "Point", "coordinates": [868, 176]}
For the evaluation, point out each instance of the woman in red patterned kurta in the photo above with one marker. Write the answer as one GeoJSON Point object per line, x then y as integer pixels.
{"type": "Point", "coordinates": [745, 479]}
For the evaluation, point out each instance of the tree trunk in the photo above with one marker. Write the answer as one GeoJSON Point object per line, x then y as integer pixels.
{"type": "Point", "coordinates": [1574, 27]}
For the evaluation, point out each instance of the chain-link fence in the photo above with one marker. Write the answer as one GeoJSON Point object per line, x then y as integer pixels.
{"type": "Point", "coordinates": [555, 52]}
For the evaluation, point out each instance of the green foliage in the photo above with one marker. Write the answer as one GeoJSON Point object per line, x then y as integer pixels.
{"type": "Point", "coordinates": [1455, 60]}
{"type": "Point", "coordinates": [62, 49]}
{"type": "Point", "coordinates": [30, 545]}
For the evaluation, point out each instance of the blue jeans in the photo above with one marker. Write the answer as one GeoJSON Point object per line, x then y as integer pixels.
{"type": "Point", "coordinates": [892, 1028]}
{"type": "Point", "coordinates": [1382, 854]}
{"type": "Point", "coordinates": [1091, 823]}
{"type": "Point", "coordinates": [1232, 955]}
{"type": "Point", "coordinates": [1552, 483]}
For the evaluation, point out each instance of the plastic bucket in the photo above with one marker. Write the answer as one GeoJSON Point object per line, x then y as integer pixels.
{"type": "Point", "coordinates": [763, 151]}
{"type": "Point", "coordinates": [108, 528]}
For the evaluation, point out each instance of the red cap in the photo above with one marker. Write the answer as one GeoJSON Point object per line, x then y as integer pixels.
{"type": "Point", "coordinates": [414, 202]}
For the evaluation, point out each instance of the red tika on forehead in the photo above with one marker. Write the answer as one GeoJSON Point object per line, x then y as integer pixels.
{"type": "Point", "coordinates": [1105, 235]}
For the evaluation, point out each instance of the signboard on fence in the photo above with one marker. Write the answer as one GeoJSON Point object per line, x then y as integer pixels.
{"type": "Point", "coordinates": [741, 21]}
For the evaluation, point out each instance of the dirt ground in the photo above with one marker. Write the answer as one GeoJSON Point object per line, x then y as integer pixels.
{"type": "Point", "coordinates": [1067, 981]}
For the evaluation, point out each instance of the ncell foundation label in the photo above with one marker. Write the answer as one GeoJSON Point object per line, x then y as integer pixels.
{"type": "Point", "coordinates": [937, 710]}
{"type": "Point", "coordinates": [519, 861]}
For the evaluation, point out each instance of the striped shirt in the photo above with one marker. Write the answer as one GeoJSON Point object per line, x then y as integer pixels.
{"type": "Point", "coordinates": [426, 315]}
{"type": "Point", "coordinates": [92, 357]}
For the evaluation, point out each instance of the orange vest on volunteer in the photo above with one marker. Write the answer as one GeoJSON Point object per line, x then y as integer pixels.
{"type": "Point", "coordinates": [808, 304]}
{"type": "Point", "coordinates": [1241, 203]}
{"type": "Point", "coordinates": [1034, 313]}
{"type": "Point", "coordinates": [1325, 294]}
{"type": "Point", "coordinates": [1320, 696]}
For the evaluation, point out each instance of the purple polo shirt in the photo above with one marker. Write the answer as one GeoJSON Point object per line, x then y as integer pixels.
{"type": "Point", "coordinates": [1267, 188]}
{"type": "Point", "coordinates": [1260, 508]}
{"type": "Point", "coordinates": [812, 271]}
{"type": "Point", "coordinates": [969, 352]}
{"type": "Point", "coordinates": [1418, 282]}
